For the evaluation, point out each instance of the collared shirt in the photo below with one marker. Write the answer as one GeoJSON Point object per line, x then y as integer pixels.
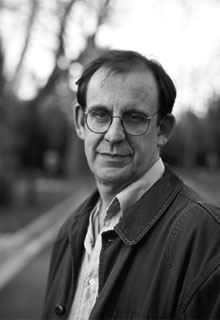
{"type": "Point", "coordinates": [87, 286]}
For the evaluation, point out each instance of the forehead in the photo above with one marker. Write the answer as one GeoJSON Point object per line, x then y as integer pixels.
{"type": "Point", "coordinates": [137, 87]}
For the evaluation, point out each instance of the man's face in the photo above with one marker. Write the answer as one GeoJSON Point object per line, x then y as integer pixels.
{"type": "Point", "coordinates": [115, 157]}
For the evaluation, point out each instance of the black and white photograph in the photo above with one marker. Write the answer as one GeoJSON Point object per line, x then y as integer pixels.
{"type": "Point", "coordinates": [109, 159]}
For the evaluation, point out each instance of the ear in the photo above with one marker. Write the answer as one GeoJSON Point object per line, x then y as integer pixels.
{"type": "Point", "coordinates": [79, 121]}
{"type": "Point", "coordinates": [165, 129]}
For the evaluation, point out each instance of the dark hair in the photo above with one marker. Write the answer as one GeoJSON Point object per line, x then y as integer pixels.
{"type": "Point", "coordinates": [120, 61]}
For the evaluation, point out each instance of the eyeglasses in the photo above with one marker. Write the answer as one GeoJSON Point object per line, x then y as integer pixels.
{"type": "Point", "coordinates": [134, 123]}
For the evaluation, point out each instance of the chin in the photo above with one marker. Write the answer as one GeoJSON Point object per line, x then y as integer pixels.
{"type": "Point", "coordinates": [114, 179]}
{"type": "Point", "coordinates": [111, 179]}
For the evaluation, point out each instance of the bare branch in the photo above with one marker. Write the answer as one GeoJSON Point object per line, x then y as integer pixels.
{"type": "Point", "coordinates": [2, 79]}
{"type": "Point", "coordinates": [59, 52]}
{"type": "Point", "coordinates": [104, 12]}
{"type": "Point", "coordinates": [26, 43]}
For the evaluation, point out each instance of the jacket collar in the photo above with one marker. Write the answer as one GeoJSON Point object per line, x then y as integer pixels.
{"type": "Point", "coordinates": [140, 217]}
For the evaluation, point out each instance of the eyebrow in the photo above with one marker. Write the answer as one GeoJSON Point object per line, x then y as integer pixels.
{"type": "Point", "coordinates": [128, 110]}
{"type": "Point", "coordinates": [97, 107]}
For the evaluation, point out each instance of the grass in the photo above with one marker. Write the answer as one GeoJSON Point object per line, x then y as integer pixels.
{"type": "Point", "coordinates": [32, 199]}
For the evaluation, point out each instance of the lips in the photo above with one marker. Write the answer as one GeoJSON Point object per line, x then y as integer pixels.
{"type": "Point", "coordinates": [113, 155]}
{"type": "Point", "coordinates": [115, 158]}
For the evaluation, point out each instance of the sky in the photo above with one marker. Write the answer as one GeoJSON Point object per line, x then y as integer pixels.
{"type": "Point", "coordinates": [183, 35]}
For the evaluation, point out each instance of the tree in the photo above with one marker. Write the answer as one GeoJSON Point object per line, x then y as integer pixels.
{"type": "Point", "coordinates": [50, 26]}
{"type": "Point", "coordinates": [212, 131]}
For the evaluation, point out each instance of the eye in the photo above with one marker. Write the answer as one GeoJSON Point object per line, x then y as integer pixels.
{"type": "Point", "coordinates": [99, 115]}
{"type": "Point", "coordinates": [135, 117]}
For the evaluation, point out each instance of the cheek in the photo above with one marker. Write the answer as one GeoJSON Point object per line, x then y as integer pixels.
{"type": "Point", "coordinates": [88, 146]}
{"type": "Point", "coordinates": [145, 150]}
{"type": "Point", "coordinates": [89, 153]}
{"type": "Point", "coordinates": [91, 142]}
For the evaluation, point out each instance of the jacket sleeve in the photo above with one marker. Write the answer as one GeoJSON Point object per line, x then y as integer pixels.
{"type": "Point", "coordinates": [205, 302]}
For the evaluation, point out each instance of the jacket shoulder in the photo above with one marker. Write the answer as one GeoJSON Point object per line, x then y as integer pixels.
{"type": "Point", "coordinates": [194, 235]}
{"type": "Point", "coordinates": [192, 248]}
{"type": "Point", "coordinates": [201, 203]}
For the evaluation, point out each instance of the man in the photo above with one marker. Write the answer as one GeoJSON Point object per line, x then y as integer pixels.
{"type": "Point", "coordinates": [143, 245]}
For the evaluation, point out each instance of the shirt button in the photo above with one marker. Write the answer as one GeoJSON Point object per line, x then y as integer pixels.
{"type": "Point", "coordinates": [92, 282]}
{"type": "Point", "coordinates": [59, 310]}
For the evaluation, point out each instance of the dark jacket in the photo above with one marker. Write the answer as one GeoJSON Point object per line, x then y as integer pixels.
{"type": "Point", "coordinates": [162, 261]}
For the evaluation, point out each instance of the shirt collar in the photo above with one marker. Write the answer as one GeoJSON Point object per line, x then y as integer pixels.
{"type": "Point", "coordinates": [133, 192]}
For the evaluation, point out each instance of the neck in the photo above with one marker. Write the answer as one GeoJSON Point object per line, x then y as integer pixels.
{"type": "Point", "coordinates": [107, 193]}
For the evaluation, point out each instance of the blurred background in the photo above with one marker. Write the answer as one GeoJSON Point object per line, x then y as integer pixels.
{"type": "Point", "coordinates": [43, 48]}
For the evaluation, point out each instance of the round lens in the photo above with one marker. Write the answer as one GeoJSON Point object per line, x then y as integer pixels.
{"type": "Point", "coordinates": [136, 123]}
{"type": "Point", "coordinates": [98, 121]}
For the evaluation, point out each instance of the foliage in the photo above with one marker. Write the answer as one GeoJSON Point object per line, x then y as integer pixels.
{"type": "Point", "coordinates": [37, 131]}
{"type": "Point", "coordinates": [196, 140]}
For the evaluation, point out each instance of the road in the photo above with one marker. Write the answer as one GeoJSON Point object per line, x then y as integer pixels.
{"type": "Point", "coordinates": [24, 259]}
{"type": "Point", "coordinates": [22, 297]}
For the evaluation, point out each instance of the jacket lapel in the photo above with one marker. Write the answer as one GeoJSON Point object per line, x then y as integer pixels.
{"type": "Point", "coordinates": [138, 219]}
{"type": "Point", "coordinates": [77, 231]}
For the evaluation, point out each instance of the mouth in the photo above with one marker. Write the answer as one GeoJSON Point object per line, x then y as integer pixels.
{"type": "Point", "coordinates": [114, 156]}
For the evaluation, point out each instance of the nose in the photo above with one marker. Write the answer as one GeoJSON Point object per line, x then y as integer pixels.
{"type": "Point", "coordinates": [116, 131]}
